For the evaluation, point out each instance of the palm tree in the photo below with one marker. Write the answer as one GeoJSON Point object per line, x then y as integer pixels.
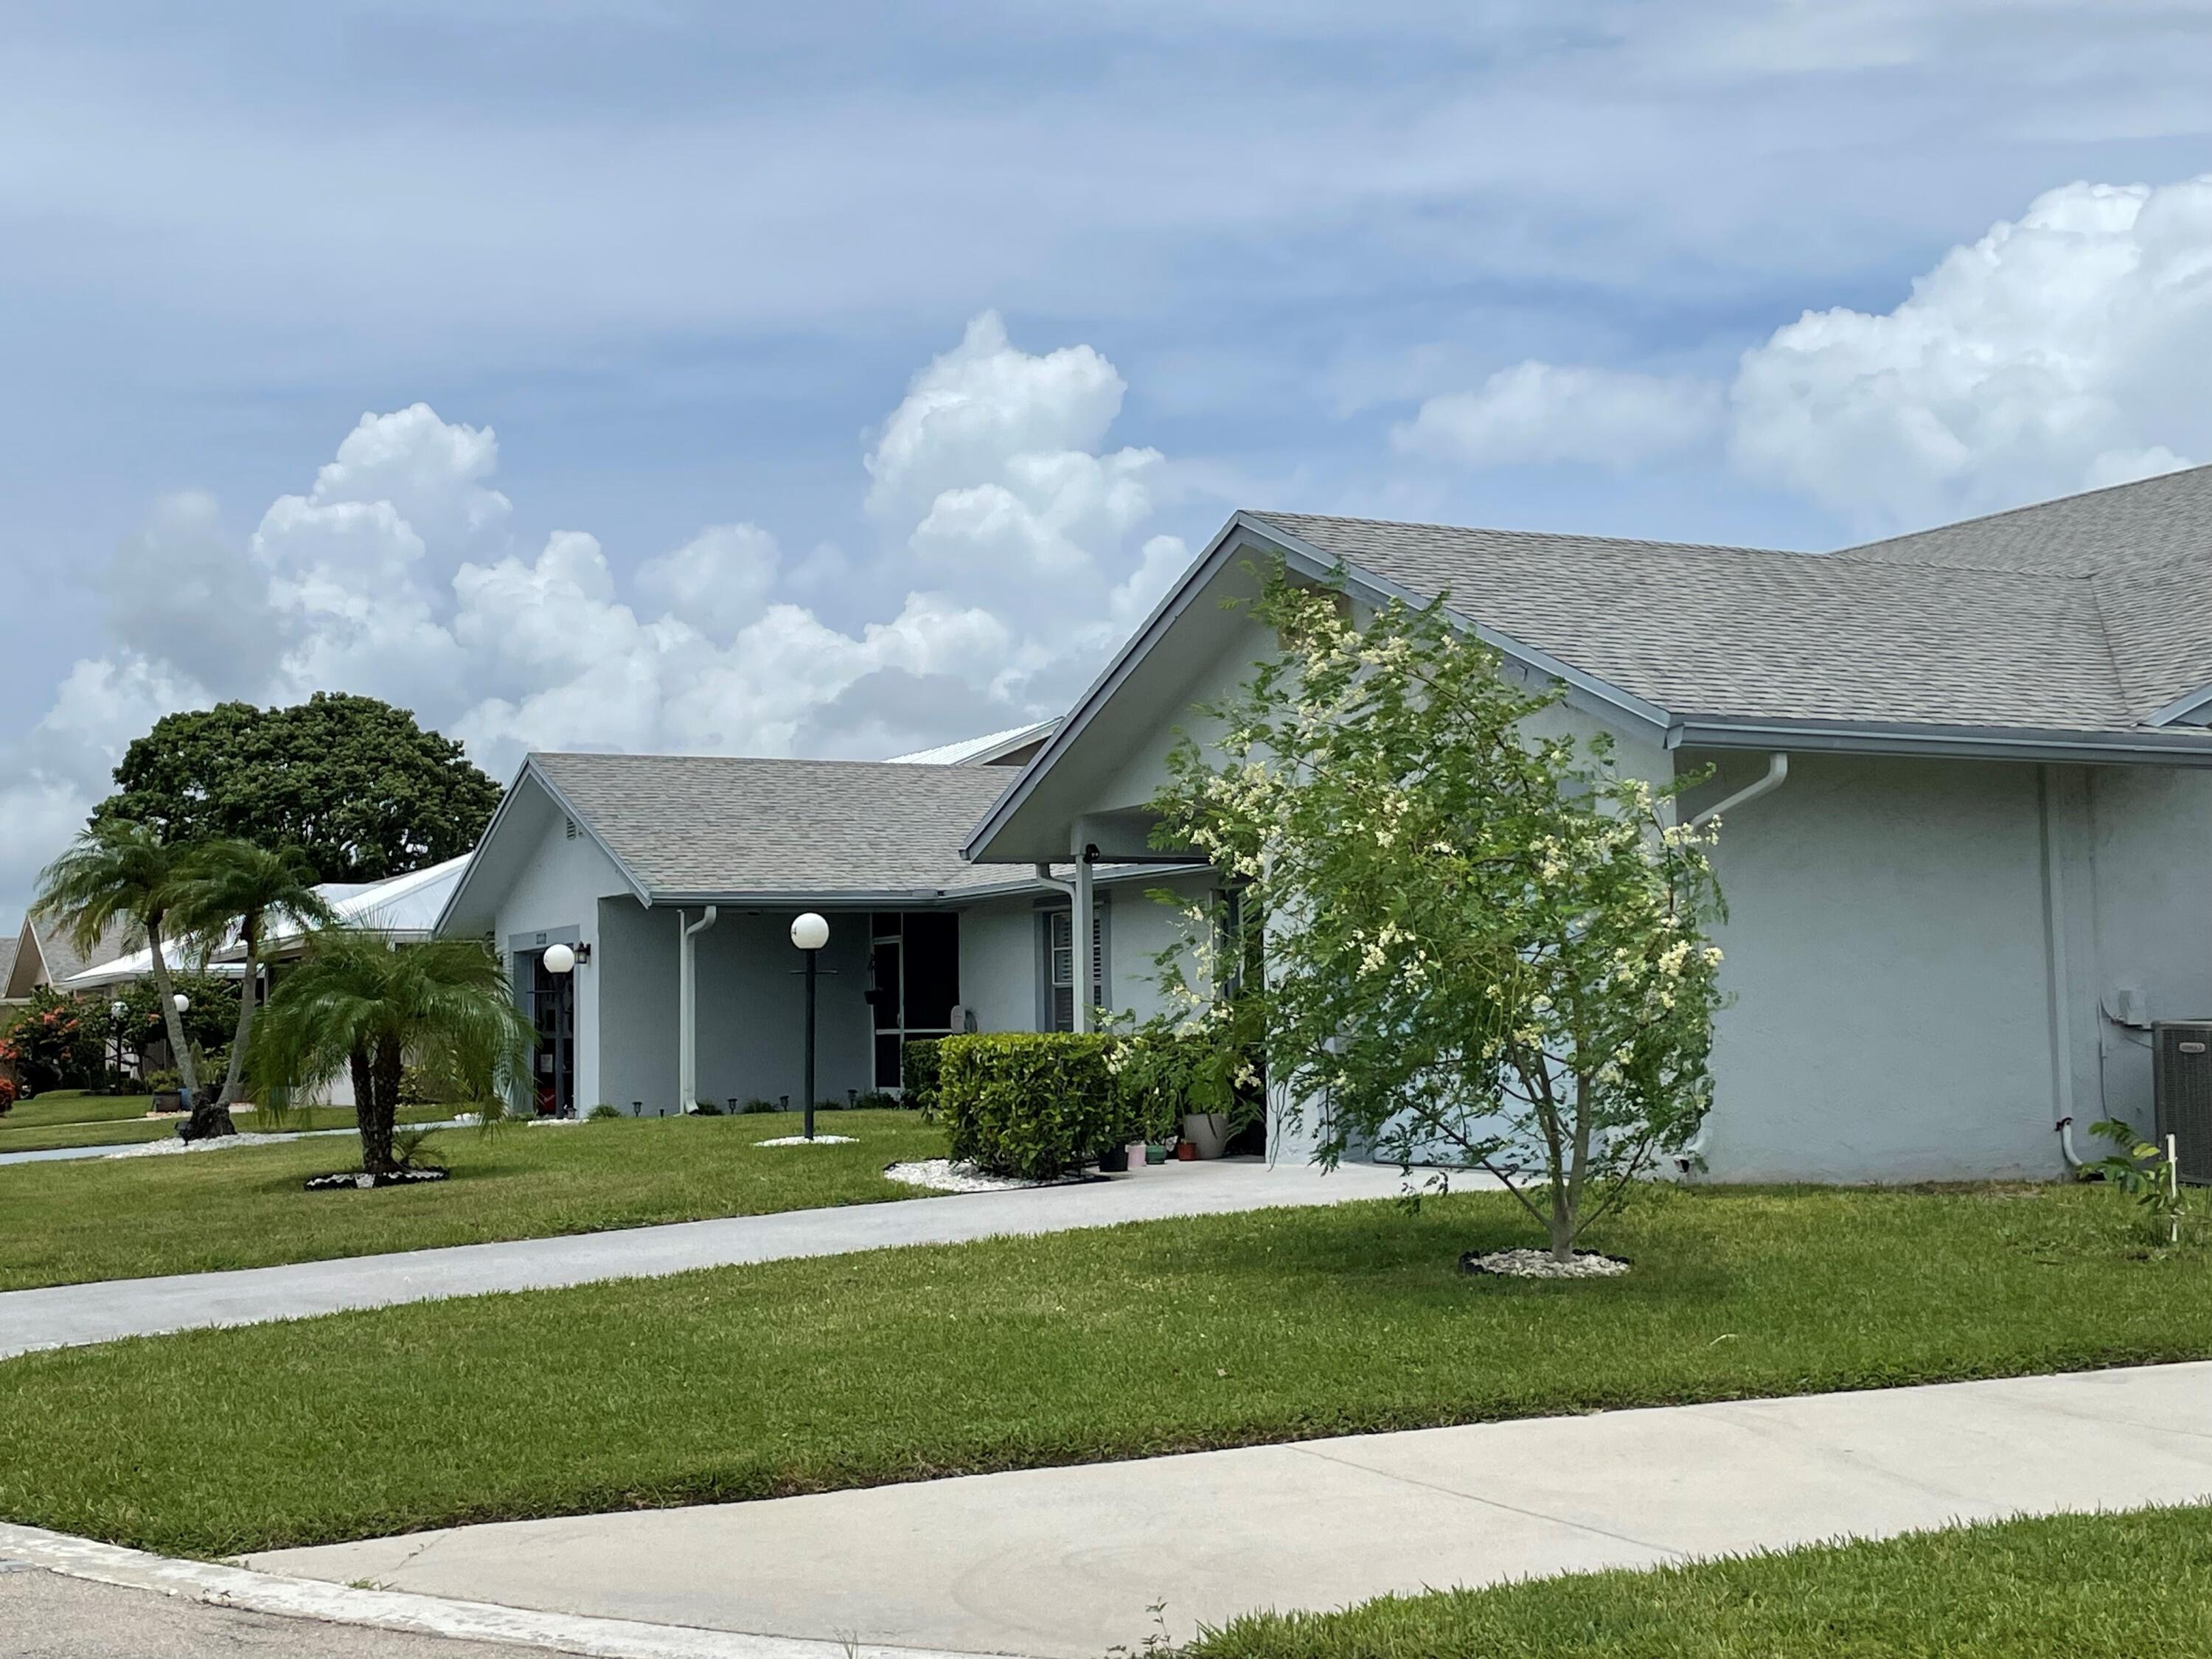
{"type": "Point", "coordinates": [359, 1003]}
{"type": "Point", "coordinates": [122, 869]}
{"type": "Point", "coordinates": [227, 887]}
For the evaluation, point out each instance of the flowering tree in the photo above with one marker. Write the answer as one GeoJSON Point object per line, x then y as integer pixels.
{"type": "Point", "coordinates": [1484, 948]}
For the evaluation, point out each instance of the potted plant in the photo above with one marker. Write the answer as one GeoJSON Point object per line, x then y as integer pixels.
{"type": "Point", "coordinates": [166, 1084]}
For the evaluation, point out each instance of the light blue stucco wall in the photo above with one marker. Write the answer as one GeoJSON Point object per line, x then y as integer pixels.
{"type": "Point", "coordinates": [999, 964]}
{"type": "Point", "coordinates": [558, 891]}
{"type": "Point", "coordinates": [1893, 962]}
{"type": "Point", "coordinates": [752, 1009]}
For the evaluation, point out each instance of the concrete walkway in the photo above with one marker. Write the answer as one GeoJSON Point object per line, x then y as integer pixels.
{"type": "Point", "coordinates": [1065, 1562]}
{"type": "Point", "coordinates": [65, 1315]}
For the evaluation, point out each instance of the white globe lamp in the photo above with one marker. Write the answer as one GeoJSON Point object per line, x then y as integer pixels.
{"type": "Point", "coordinates": [810, 932]}
{"type": "Point", "coordinates": [560, 959]}
{"type": "Point", "coordinates": [182, 1002]}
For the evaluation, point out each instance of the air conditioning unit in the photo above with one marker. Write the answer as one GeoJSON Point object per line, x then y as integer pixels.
{"type": "Point", "coordinates": [2181, 1087]}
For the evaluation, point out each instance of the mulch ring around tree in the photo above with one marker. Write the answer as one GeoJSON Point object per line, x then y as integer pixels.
{"type": "Point", "coordinates": [360, 1180]}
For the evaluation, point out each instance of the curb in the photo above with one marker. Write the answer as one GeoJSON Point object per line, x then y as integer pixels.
{"type": "Point", "coordinates": [425, 1615]}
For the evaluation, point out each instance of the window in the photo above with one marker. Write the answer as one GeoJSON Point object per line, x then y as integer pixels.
{"type": "Point", "coordinates": [913, 981]}
{"type": "Point", "coordinates": [1059, 966]}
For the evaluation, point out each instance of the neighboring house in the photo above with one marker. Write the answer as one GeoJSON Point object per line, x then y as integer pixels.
{"type": "Point", "coordinates": [43, 955]}
{"type": "Point", "coordinates": [677, 878]}
{"type": "Point", "coordinates": [1966, 774]}
{"type": "Point", "coordinates": [1012, 747]}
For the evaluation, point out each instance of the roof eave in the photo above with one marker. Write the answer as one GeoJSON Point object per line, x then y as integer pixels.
{"type": "Point", "coordinates": [2139, 747]}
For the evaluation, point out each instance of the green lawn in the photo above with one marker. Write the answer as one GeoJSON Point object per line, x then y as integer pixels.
{"type": "Point", "coordinates": [1131, 1341]}
{"type": "Point", "coordinates": [66, 1222]}
{"type": "Point", "coordinates": [2137, 1586]}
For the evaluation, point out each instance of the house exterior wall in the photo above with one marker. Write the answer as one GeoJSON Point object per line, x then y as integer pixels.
{"type": "Point", "coordinates": [558, 892]}
{"type": "Point", "coordinates": [999, 964]}
{"type": "Point", "coordinates": [1141, 928]}
{"type": "Point", "coordinates": [631, 983]}
{"type": "Point", "coordinates": [1892, 963]}
{"type": "Point", "coordinates": [752, 1009]}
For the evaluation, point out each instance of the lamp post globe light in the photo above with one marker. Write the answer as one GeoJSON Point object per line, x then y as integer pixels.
{"type": "Point", "coordinates": [184, 1003]}
{"type": "Point", "coordinates": [809, 932]}
{"type": "Point", "coordinates": [560, 959]}
{"type": "Point", "coordinates": [116, 1010]}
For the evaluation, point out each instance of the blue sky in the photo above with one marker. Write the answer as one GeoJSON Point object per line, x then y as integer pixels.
{"type": "Point", "coordinates": [743, 326]}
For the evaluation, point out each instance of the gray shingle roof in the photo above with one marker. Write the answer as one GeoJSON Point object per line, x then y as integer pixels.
{"type": "Point", "coordinates": [8, 947]}
{"type": "Point", "coordinates": [1945, 636]}
{"type": "Point", "coordinates": [63, 958]}
{"type": "Point", "coordinates": [713, 824]}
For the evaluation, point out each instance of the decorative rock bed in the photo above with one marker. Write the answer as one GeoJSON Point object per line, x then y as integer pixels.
{"type": "Point", "coordinates": [801, 1140]}
{"type": "Point", "coordinates": [213, 1144]}
{"type": "Point", "coordinates": [1539, 1264]}
{"type": "Point", "coordinates": [943, 1174]}
{"type": "Point", "coordinates": [359, 1181]}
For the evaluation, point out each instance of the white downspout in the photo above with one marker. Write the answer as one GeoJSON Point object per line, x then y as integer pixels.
{"type": "Point", "coordinates": [687, 1011]}
{"type": "Point", "coordinates": [1777, 774]}
{"type": "Point", "coordinates": [1777, 769]}
{"type": "Point", "coordinates": [1086, 945]}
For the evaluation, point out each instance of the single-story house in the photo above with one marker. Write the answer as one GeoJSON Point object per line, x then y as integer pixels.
{"type": "Point", "coordinates": [1967, 842]}
{"type": "Point", "coordinates": [675, 879]}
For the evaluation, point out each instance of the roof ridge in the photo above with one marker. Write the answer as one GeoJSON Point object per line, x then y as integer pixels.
{"type": "Point", "coordinates": [1546, 535]}
{"type": "Point", "coordinates": [749, 760]}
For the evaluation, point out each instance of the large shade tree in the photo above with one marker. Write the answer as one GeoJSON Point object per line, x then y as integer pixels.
{"type": "Point", "coordinates": [360, 788]}
{"type": "Point", "coordinates": [231, 892]}
{"type": "Point", "coordinates": [1485, 945]}
{"type": "Point", "coordinates": [126, 870]}
{"type": "Point", "coordinates": [359, 1006]}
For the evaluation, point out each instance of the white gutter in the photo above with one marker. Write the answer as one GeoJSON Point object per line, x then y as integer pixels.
{"type": "Point", "coordinates": [687, 1011]}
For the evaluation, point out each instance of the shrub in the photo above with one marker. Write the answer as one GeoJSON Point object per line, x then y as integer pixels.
{"type": "Point", "coordinates": [164, 1080]}
{"type": "Point", "coordinates": [706, 1109]}
{"type": "Point", "coordinates": [1035, 1105]}
{"type": "Point", "coordinates": [756, 1105]}
{"type": "Point", "coordinates": [416, 1088]}
{"type": "Point", "coordinates": [600, 1112]}
{"type": "Point", "coordinates": [877, 1100]}
{"type": "Point", "coordinates": [7, 1094]}
{"type": "Point", "coordinates": [917, 1074]}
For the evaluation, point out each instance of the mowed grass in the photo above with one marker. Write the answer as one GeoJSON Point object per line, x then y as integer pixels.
{"type": "Point", "coordinates": [68, 1223]}
{"type": "Point", "coordinates": [75, 1119]}
{"type": "Point", "coordinates": [2135, 1586]}
{"type": "Point", "coordinates": [1131, 1341]}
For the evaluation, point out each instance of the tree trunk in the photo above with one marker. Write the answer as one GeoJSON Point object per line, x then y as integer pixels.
{"type": "Point", "coordinates": [376, 1104]}
{"type": "Point", "coordinates": [208, 1118]}
{"type": "Point", "coordinates": [251, 934]}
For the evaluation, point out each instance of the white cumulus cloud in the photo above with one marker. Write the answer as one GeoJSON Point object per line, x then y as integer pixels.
{"type": "Point", "coordinates": [2064, 349]}
{"type": "Point", "coordinates": [1540, 411]}
{"type": "Point", "coordinates": [1013, 541]}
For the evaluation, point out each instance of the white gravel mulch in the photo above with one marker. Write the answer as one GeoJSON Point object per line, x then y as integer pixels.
{"type": "Point", "coordinates": [1538, 1264]}
{"type": "Point", "coordinates": [801, 1140]}
{"type": "Point", "coordinates": [163, 1148]}
{"type": "Point", "coordinates": [943, 1174]}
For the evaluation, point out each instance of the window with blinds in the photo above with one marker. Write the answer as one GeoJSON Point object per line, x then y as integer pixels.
{"type": "Point", "coordinates": [1059, 964]}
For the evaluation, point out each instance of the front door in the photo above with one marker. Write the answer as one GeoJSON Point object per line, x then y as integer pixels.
{"type": "Point", "coordinates": [913, 980]}
{"type": "Point", "coordinates": [553, 1010]}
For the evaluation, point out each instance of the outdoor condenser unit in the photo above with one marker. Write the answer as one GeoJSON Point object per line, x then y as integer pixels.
{"type": "Point", "coordinates": [2181, 1087]}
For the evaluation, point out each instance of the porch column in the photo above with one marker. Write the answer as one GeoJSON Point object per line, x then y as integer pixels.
{"type": "Point", "coordinates": [1086, 925]}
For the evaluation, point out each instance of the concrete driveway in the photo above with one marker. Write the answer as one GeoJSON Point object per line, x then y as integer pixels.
{"type": "Point", "coordinates": [1066, 1561]}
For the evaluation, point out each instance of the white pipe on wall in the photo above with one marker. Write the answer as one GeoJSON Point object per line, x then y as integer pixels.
{"type": "Point", "coordinates": [1777, 771]}
{"type": "Point", "coordinates": [2056, 980]}
{"type": "Point", "coordinates": [687, 1009]}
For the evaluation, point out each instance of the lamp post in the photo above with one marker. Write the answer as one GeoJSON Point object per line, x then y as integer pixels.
{"type": "Point", "coordinates": [182, 1004]}
{"type": "Point", "coordinates": [116, 1011]}
{"type": "Point", "coordinates": [809, 932]}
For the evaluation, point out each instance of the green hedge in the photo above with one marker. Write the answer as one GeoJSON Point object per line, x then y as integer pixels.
{"type": "Point", "coordinates": [1037, 1105]}
{"type": "Point", "coordinates": [918, 1068]}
